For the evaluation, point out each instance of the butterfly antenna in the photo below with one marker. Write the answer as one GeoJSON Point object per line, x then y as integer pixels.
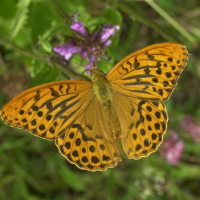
{"type": "Point", "coordinates": [89, 70]}
{"type": "Point", "coordinates": [86, 70]}
{"type": "Point", "coordinates": [65, 61]}
{"type": "Point", "coordinates": [94, 64]}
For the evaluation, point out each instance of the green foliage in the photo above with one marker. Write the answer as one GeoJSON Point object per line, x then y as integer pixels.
{"type": "Point", "coordinates": [111, 16]}
{"type": "Point", "coordinates": [48, 74]}
{"type": "Point", "coordinates": [32, 168]}
{"type": "Point", "coordinates": [20, 17]}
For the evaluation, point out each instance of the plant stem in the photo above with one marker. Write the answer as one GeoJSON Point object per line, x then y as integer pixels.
{"type": "Point", "coordinates": [146, 21]}
{"type": "Point", "coordinates": [171, 21]}
{"type": "Point", "coordinates": [50, 60]}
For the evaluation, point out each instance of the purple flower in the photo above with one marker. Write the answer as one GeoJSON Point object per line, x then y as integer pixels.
{"type": "Point", "coordinates": [191, 126]}
{"type": "Point", "coordinates": [107, 43]}
{"type": "Point", "coordinates": [84, 54]}
{"type": "Point", "coordinates": [67, 50]}
{"type": "Point", "coordinates": [91, 46]}
{"type": "Point", "coordinates": [78, 26]}
{"type": "Point", "coordinates": [172, 149]}
{"type": "Point", "coordinates": [91, 64]}
{"type": "Point", "coordinates": [107, 32]}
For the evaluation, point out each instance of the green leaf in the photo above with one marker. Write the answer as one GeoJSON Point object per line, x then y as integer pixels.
{"type": "Point", "coordinates": [22, 39]}
{"type": "Point", "coordinates": [92, 23]}
{"type": "Point", "coordinates": [7, 8]}
{"type": "Point", "coordinates": [105, 65]}
{"type": "Point", "coordinates": [67, 7]}
{"type": "Point", "coordinates": [45, 44]}
{"type": "Point", "coordinates": [37, 66]}
{"type": "Point", "coordinates": [5, 31]}
{"type": "Point", "coordinates": [111, 16]}
{"type": "Point", "coordinates": [48, 74]}
{"type": "Point", "coordinates": [41, 17]}
{"type": "Point", "coordinates": [20, 17]}
{"type": "Point", "coordinates": [41, 52]}
{"type": "Point", "coordinates": [52, 30]}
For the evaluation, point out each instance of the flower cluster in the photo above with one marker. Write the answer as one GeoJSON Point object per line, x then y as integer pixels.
{"type": "Point", "coordinates": [91, 46]}
{"type": "Point", "coordinates": [172, 149]}
{"type": "Point", "coordinates": [191, 126]}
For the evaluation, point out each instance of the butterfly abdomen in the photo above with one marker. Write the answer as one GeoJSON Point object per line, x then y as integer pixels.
{"type": "Point", "coordinates": [103, 94]}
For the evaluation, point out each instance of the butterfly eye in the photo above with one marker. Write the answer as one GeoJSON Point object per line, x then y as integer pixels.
{"type": "Point", "coordinates": [101, 73]}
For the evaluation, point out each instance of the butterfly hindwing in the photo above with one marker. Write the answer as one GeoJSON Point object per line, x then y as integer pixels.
{"type": "Point", "coordinates": [47, 109]}
{"type": "Point", "coordinates": [88, 143]}
{"type": "Point", "coordinates": [150, 73]}
{"type": "Point", "coordinates": [143, 124]}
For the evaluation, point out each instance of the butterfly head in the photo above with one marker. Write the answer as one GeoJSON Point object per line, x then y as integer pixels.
{"type": "Point", "coordinates": [96, 74]}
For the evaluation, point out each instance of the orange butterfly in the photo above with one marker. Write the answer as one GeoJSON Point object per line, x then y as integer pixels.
{"type": "Point", "coordinates": [87, 119]}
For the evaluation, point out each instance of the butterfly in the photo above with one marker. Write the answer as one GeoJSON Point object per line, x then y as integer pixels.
{"type": "Point", "coordinates": [87, 119]}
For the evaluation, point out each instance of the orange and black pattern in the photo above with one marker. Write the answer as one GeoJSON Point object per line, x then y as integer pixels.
{"type": "Point", "coordinates": [86, 127]}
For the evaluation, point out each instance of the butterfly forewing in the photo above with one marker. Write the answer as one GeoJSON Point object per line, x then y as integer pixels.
{"type": "Point", "coordinates": [88, 142]}
{"type": "Point", "coordinates": [150, 73]}
{"type": "Point", "coordinates": [48, 109]}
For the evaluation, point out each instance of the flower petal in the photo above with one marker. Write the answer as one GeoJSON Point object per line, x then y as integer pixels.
{"type": "Point", "coordinates": [108, 31]}
{"type": "Point", "coordinates": [84, 54]}
{"type": "Point", "coordinates": [57, 49]}
{"type": "Point", "coordinates": [67, 50]}
{"type": "Point", "coordinates": [78, 26]}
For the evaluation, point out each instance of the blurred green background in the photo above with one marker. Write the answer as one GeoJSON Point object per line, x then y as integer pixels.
{"type": "Point", "coordinates": [32, 168]}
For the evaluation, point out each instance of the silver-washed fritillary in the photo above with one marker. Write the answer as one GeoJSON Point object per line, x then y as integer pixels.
{"type": "Point", "coordinates": [86, 119]}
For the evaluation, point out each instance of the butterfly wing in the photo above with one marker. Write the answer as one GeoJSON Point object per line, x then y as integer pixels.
{"type": "Point", "coordinates": [88, 142]}
{"type": "Point", "coordinates": [140, 82]}
{"type": "Point", "coordinates": [151, 73]}
{"type": "Point", "coordinates": [47, 110]}
{"type": "Point", "coordinates": [66, 111]}
{"type": "Point", "coordinates": [143, 124]}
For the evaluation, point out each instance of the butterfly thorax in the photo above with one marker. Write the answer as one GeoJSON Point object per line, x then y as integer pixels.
{"type": "Point", "coordinates": [101, 88]}
{"type": "Point", "coordinates": [102, 92]}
